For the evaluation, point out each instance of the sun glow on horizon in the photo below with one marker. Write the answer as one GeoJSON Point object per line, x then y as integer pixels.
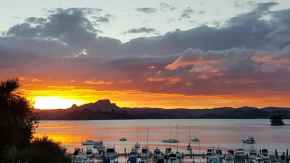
{"type": "Point", "coordinates": [54, 103]}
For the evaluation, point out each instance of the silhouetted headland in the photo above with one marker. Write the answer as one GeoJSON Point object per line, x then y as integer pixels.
{"type": "Point", "coordinates": [104, 109]}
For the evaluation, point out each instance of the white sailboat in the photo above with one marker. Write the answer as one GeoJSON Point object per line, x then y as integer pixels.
{"type": "Point", "coordinates": [137, 145]}
{"type": "Point", "coordinates": [170, 140]}
{"type": "Point", "coordinates": [178, 154]}
{"type": "Point", "coordinates": [145, 153]}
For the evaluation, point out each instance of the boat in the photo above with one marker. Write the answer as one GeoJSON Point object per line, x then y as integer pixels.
{"type": "Point", "coordinates": [209, 153]}
{"type": "Point", "coordinates": [250, 140]}
{"type": "Point", "coordinates": [110, 152]}
{"type": "Point", "coordinates": [178, 154]}
{"type": "Point", "coordinates": [157, 153]}
{"type": "Point", "coordinates": [168, 151]}
{"type": "Point", "coordinates": [133, 156]}
{"type": "Point", "coordinates": [89, 152]}
{"type": "Point", "coordinates": [76, 152]}
{"type": "Point", "coordinates": [99, 147]}
{"type": "Point", "coordinates": [252, 152]}
{"type": "Point", "coordinates": [123, 139]}
{"type": "Point", "coordinates": [219, 154]}
{"type": "Point", "coordinates": [231, 151]}
{"type": "Point", "coordinates": [145, 153]}
{"type": "Point", "coordinates": [172, 158]}
{"type": "Point", "coordinates": [160, 160]}
{"type": "Point", "coordinates": [134, 152]}
{"type": "Point", "coordinates": [240, 153]}
{"type": "Point", "coordinates": [100, 154]}
{"type": "Point", "coordinates": [79, 159]}
{"type": "Point", "coordinates": [229, 158]}
{"type": "Point", "coordinates": [170, 140]}
{"type": "Point", "coordinates": [214, 159]}
{"type": "Point", "coordinates": [195, 139]}
{"type": "Point", "coordinates": [91, 142]}
{"type": "Point", "coordinates": [137, 145]}
{"type": "Point", "coordinates": [258, 159]}
{"type": "Point", "coordinates": [264, 154]}
{"type": "Point", "coordinates": [188, 147]}
{"type": "Point", "coordinates": [132, 159]}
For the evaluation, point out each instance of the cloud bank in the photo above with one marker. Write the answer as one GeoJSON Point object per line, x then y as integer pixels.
{"type": "Point", "coordinates": [247, 57]}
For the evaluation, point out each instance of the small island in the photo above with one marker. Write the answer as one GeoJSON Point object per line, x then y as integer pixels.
{"type": "Point", "coordinates": [277, 120]}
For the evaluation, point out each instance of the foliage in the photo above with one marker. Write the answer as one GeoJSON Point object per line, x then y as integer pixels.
{"type": "Point", "coordinates": [277, 120]}
{"type": "Point", "coordinates": [17, 124]}
{"type": "Point", "coordinates": [44, 150]}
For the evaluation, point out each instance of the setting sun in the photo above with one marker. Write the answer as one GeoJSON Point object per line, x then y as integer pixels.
{"type": "Point", "coordinates": [53, 103]}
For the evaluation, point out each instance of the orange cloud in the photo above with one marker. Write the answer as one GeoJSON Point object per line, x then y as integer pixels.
{"type": "Point", "coordinates": [168, 80]}
{"type": "Point", "coordinates": [99, 82]}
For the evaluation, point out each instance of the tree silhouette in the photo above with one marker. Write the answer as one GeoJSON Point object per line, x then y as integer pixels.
{"type": "Point", "coordinates": [17, 125]}
{"type": "Point", "coordinates": [17, 120]}
{"type": "Point", "coordinates": [277, 120]}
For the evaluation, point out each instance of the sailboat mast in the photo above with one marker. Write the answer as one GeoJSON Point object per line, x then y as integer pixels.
{"type": "Point", "coordinates": [189, 131]}
{"type": "Point", "coordinates": [137, 134]}
{"type": "Point", "coordinates": [177, 137]}
{"type": "Point", "coordinates": [147, 137]}
{"type": "Point", "coordinates": [170, 132]}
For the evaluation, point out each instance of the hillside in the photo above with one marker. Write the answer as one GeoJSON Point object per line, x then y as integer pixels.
{"type": "Point", "coordinates": [104, 109]}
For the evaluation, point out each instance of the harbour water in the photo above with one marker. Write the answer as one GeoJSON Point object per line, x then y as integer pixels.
{"type": "Point", "coordinates": [222, 133]}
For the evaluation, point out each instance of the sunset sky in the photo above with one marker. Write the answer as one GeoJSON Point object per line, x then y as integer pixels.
{"type": "Point", "coordinates": [170, 54]}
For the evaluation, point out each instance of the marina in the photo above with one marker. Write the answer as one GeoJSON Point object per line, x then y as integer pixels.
{"type": "Point", "coordinates": [212, 155]}
{"type": "Point", "coordinates": [148, 135]}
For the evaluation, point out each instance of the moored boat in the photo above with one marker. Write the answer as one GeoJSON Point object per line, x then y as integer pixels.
{"type": "Point", "coordinates": [195, 139]}
{"type": "Point", "coordinates": [145, 153]}
{"type": "Point", "coordinates": [123, 139]}
{"type": "Point", "coordinates": [110, 152]}
{"type": "Point", "coordinates": [264, 154]}
{"type": "Point", "coordinates": [173, 158]}
{"type": "Point", "coordinates": [91, 142]}
{"type": "Point", "coordinates": [252, 152]}
{"type": "Point", "coordinates": [229, 158]}
{"type": "Point", "coordinates": [240, 153]}
{"type": "Point", "coordinates": [188, 147]}
{"type": "Point", "coordinates": [250, 140]}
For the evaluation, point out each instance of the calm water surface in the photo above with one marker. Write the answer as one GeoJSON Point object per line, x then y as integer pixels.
{"type": "Point", "coordinates": [225, 133]}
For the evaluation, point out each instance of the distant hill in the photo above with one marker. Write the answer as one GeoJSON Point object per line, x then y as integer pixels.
{"type": "Point", "coordinates": [104, 109]}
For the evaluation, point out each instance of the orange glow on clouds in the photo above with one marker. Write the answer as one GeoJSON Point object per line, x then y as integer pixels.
{"type": "Point", "coordinates": [55, 94]}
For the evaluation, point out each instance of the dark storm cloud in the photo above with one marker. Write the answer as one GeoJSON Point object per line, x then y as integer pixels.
{"type": "Point", "coordinates": [186, 13]}
{"type": "Point", "coordinates": [248, 53]}
{"type": "Point", "coordinates": [147, 10]}
{"type": "Point", "coordinates": [70, 27]}
{"type": "Point", "coordinates": [141, 30]}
